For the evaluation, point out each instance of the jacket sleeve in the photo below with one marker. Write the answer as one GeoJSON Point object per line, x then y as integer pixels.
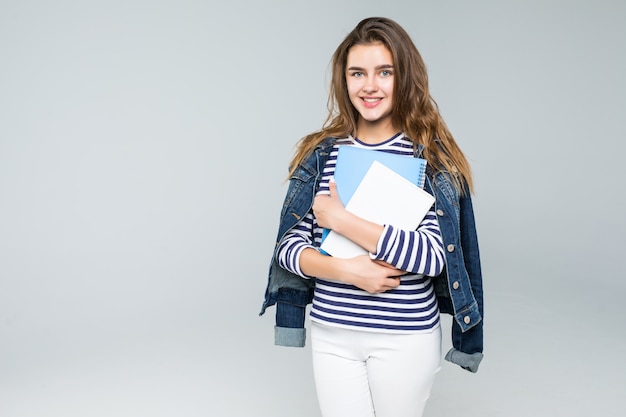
{"type": "Point", "coordinates": [468, 346]}
{"type": "Point", "coordinates": [471, 252]}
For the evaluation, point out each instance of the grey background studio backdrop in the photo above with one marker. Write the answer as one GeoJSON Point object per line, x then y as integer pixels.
{"type": "Point", "coordinates": [143, 148]}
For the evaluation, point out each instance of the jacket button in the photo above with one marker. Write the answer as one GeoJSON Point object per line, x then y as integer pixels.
{"type": "Point", "coordinates": [466, 319]}
{"type": "Point", "coordinates": [450, 248]}
{"type": "Point", "coordinates": [455, 285]}
{"type": "Point", "coordinates": [439, 212]}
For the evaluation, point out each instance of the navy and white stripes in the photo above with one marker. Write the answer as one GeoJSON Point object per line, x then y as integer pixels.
{"type": "Point", "coordinates": [419, 251]}
{"type": "Point", "coordinates": [409, 308]}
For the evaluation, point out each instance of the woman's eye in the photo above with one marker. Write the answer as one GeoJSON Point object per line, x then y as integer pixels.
{"type": "Point", "coordinates": [357, 74]}
{"type": "Point", "coordinates": [385, 73]}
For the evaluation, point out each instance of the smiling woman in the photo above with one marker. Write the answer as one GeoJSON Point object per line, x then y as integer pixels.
{"type": "Point", "coordinates": [375, 326]}
{"type": "Point", "coordinates": [369, 80]}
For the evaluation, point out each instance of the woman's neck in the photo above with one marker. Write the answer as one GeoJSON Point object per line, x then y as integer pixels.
{"type": "Point", "coordinates": [374, 133]}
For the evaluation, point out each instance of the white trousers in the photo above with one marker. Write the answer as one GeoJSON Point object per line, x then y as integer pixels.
{"type": "Point", "coordinates": [367, 374]}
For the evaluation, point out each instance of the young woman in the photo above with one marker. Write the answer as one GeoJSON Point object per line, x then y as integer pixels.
{"type": "Point", "coordinates": [375, 331]}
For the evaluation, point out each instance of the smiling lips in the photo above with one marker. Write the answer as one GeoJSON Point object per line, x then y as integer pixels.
{"type": "Point", "coordinates": [370, 102]}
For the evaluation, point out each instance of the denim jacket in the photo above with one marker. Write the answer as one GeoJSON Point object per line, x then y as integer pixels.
{"type": "Point", "coordinates": [458, 288]}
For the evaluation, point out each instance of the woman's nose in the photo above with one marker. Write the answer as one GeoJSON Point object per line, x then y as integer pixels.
{"type": "Point", "coordinates": [370, 85]}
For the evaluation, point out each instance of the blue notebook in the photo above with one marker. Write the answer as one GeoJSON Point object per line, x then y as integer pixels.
{"type": "Point", "coordinates": [353, 163]}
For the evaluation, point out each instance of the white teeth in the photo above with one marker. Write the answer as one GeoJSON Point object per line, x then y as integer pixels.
{"type": "Point", "coordinates": [371, 100]}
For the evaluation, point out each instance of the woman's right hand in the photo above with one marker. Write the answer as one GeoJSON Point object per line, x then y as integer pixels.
{"type": "Point", "coordinates": [371, 276]}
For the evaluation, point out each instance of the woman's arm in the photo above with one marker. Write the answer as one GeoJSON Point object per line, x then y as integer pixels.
{"type": "Point", "coordinates": [360, 271]}
{"type": "Point", "coordinates": [297, 254]}
{"type": "Point", "coordinates": [417, 251]}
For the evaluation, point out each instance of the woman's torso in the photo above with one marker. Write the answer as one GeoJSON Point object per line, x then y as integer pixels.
{"type": "Point", "coordinates": [409, 308]}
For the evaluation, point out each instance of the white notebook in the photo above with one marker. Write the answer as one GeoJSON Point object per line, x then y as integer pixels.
{"type": "Point", "coordinates": [383, 197]}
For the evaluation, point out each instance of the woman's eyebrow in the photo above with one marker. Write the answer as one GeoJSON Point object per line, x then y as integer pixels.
{"type": "Point", "coordinates": [384, 66]}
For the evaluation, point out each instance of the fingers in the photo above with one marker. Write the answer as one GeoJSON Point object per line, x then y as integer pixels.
{"type": "Point", "coordinates": [332, 187]}
{"type": "Point", "coordinates": [389, 284]}
{"type": "Point", "coordinates": [393, 282]}
{"type": "Point", "coordinates": [374, 276]}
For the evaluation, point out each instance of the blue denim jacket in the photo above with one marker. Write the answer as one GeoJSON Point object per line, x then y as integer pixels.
{"type": "Point", "coordinates": [459, 287]}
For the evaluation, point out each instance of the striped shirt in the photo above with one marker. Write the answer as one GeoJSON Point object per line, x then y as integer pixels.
{"type": "Point", "coordinates": [409, 308]}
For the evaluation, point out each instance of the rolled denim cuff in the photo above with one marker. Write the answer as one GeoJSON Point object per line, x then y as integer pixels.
{"type": "Point", "coordinates": [467, 361]}
{"type": "Point", "coordinates": [288, 336]}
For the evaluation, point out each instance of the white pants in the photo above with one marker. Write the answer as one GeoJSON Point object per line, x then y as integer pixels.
{"type": "Point", "coordinates": [367, 374]}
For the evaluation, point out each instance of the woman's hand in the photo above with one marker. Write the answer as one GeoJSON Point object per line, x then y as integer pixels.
{"type": "Point", "coordinates": [371, 276]}
{"type": "Point", "coordinates": [360, 271]}
{"type": "Point", "coordinates": [328, 209]}
{"type": "Point", "coordinates": [331, 214]}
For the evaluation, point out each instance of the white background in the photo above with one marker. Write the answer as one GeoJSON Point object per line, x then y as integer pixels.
{"type": "Point", "coordinates": [143, 151]}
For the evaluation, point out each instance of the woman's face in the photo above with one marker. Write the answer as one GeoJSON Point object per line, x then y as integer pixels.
{"type": "Point", "coordinates": [369, 79]}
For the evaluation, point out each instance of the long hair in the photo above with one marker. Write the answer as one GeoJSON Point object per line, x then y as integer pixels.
{"type": "Point", "coordinates": [413, 109]}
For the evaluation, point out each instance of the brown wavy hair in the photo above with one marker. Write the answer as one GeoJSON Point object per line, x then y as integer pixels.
{"type": "Point", "coordinates": [413, 109]}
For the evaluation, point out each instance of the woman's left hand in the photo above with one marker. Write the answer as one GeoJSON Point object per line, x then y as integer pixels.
{"type": "Point", "coordinates": [328, 209]}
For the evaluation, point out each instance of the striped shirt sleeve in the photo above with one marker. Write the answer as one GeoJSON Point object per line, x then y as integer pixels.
{"type": "Point", "coordinates": [419, 251]}
{"type": "Point", "coordinates": [294, 242]}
